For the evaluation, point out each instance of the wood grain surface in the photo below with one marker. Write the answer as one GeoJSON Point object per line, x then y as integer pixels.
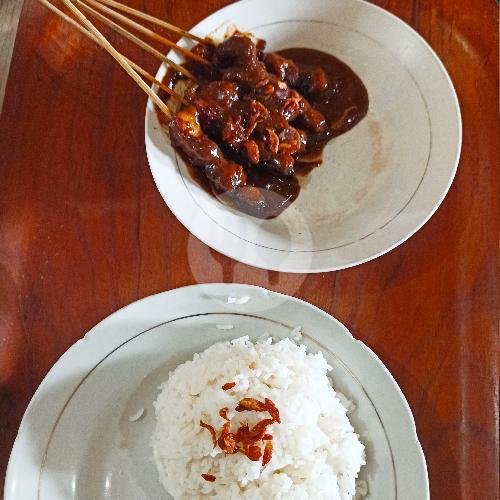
{"type": "Point", "coordinates": [83, 231]}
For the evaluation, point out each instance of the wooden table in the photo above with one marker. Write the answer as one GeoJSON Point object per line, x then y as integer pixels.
{"type": "Point", "coordinates": [83, 231]}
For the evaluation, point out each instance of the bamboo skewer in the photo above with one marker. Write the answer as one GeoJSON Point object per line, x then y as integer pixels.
{"type": "Point", "coordinates": [118, 57]}
{"type": "Point", "coordinates": [152, 19]}
{"type": "Point", "coordinates": [87, 33]}
{"type": "Point", "coordinates": [152, 79]}
{"type": "Point", "coordinates": [146, 31]}
{"type": "Point", "coordinates": [136, 40]}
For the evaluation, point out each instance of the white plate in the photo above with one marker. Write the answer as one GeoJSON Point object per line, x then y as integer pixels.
{"type": "Point", "coordinates": [379, 183]}
{"type": "Point", "coordinates": [76, 439]}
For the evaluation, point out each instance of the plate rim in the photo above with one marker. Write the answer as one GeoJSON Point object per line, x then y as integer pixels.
{"type": "Point", "coordinates": [205, 293]}
{"type": "Point", "coordinates": [312, 269]}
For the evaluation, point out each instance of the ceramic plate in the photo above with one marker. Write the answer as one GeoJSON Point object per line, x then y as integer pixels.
{"type": "Point", "coordinates": [77, 440]}
{"type": "Point", "coordinates": [379, 183]}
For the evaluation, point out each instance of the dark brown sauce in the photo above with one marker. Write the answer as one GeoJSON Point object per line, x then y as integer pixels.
{"type": "Point", "coordinates": [344, 103]}
{"type": "Point", "coordinates": [279, 192]}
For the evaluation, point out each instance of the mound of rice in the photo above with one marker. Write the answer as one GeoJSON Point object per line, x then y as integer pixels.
{"type": "Point", "coordinates": [316, 455]}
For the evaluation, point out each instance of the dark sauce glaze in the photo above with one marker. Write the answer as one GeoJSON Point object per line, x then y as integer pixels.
{"type": "Point", "coordinates": [344, 103]}
{"type": "Point", "coordinates": [279, 192]}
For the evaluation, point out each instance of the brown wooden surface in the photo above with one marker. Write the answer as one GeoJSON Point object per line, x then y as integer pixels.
{"type": "Point", "coordinates": [83, 231]}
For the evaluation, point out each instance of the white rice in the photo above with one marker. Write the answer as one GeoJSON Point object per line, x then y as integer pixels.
{"type": "Point", "coordinates": [316, 455]}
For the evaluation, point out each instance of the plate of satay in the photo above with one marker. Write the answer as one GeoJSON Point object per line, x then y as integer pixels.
{"type": "Point", "coordinates": [304, 136]}
{"type": "Point", "coordinates": [293, 136]}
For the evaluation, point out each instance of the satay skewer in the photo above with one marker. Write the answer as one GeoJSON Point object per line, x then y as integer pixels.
{"type": "Point", "coordinates": [120, 59]}
{"type": "Point", "coordinates": [146, 31]}
{"type": "Point", "coordinates": [130, 36]}
{"type": "Point", "coordinates": [134, 65]}
{"type": "Point", "coordinates": [152, 19]}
